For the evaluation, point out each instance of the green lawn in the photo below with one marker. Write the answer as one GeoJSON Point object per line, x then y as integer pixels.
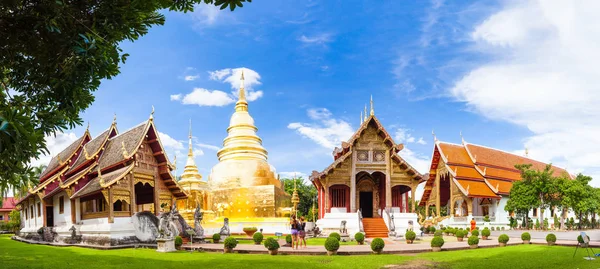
{"type": "Point", "coordinates": [15, 254]}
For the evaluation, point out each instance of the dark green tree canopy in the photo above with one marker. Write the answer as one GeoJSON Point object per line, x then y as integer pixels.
{"type": "Point", "coordinates": [53, 56]}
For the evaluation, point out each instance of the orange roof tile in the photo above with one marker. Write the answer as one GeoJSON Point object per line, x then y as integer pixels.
{"type": "Point", "coordinates": [491, 172]}
{"type": "Point", "coordinates": [455, 153]}
{"type": "Point", "coordinates": [503, 186]}
{"type": "Point", "coordinates": [477, 188]}
{"type": "Point", "coordinates": [465, 172]}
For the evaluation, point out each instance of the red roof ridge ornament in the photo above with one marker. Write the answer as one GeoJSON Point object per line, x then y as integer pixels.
{"type": "Point", "coordinates": [152, 113]}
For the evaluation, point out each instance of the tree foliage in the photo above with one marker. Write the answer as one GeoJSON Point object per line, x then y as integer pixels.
{"type": "Point", "coordinates": [53, 56]}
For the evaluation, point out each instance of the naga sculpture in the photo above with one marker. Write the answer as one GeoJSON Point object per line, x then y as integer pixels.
{"type": "Point", "coordinates": [166, 226]}
{"type": "Point", "coordinates": [225, 228]}
{"type": "Point", "coordinates": [343, 229]}
{"type": "Point", "coordinates": [198, 216]}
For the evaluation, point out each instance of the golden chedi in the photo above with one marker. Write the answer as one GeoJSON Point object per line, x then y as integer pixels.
{"type": "Point", "coordinates": [243, 184]}
{"type": "Point", "coordinates": [197, 189]}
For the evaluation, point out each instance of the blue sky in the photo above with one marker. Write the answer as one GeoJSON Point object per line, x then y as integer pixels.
{"type": "Point", "coordinates": [508, 74]}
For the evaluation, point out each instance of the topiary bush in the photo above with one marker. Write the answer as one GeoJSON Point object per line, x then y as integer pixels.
{"type": "Point", "coordinates": [475, 233]}
{"type": "Point", "coordinates": [178, 241]}
{"type": "Point", "coordinates": [258, 238]}
{"type": "Point", "coordinates": [438, 233]}
{"type": "Point", "coordinates": [377, 245]}
{"type": "Point", "coordinates": [216, 238]}
{"type": "Point", "coordinates": [230, 242]}
{"type": "Point", "coordinates": [332, 244]}
{"type": "Point", "coordinates": [359, 237]}
{"type": "Point", "coordinates": [525, 236]}
{"type": "Point", "coordinates": [410, 235]}
{"type": "Point", "coordinates": [551, 238]}
{"type": "Point", "coordinates": [335, 235]}
{"type": "Point", "coordinates": [460, 233]}
{"type": "Point", "coordinates": [473, 240]}
{"type": "Point", "coordinates": [493, 228]}
{"type": "Point", "coordinates": [486, 232]}
{"type": "Point", "coordinates": [437, 242]}
{"type": "Point", "coordinates": [431, 229]}
{"type": "Point", "coordinates": [503, 238]}
{"type": "Point", "coordinates": [288, 239]}
{"type": "Point", "coordinates": [271, 244]}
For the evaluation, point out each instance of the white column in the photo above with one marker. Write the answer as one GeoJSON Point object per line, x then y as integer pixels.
{"type": "Point", "coordinates": [353, 183]}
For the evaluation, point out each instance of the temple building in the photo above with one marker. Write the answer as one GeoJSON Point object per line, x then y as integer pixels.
{"type": "Point", "coordinates": [367, 183]}
{"type": "Point", "coordinates": [8, 205]}
{"type": "Point", "coordinates": [243, 184]}
{"type": "Point", "coordinates": [473, 181]}
{"type": "Point", "coordinates": [95, 186]}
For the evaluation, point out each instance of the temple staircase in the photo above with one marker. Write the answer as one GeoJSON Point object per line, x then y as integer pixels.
{"type": "Point", "coordinates": [375, 227]}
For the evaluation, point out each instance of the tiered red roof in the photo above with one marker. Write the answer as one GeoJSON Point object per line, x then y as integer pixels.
{"type": "Point", "coordinates": [8, 204]}
{"type": "Point", "coordinates": [480, 171]}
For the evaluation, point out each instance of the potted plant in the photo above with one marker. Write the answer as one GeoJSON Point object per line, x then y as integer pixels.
{"type": "Point", "coordinates": [377, 245]}
{"type": "Point", "coordinates": [437, 243]}
{"type": "Point", "coordinates": [258, 238]}
{"type": "Point", "coordinates": [178, 242]}
{"type": "Point", "coordinates": [250, 231]}
{"type": "Point", "coordinates": [431, 229]}
{"type": "Point", "coordinates": [438, 233]}
{"type": "Point", "coordinates": [503, 239]}
{"type": "Point", "coordinates": [475, 233]}
{"type": "Point", "coordinates": [526, 237]}
{"type": "Point", "coordinates": [230, 244]}
{"type": "Point", "coordinates": [460, 234]}
{"type": "Point", "coordinates": [447, 230]}
{"type": "Point", "coordinates": [551, 239]}
{"type": "Point", "coordinates": [272, 245]}
{"type": "Point", "coordinates": [288, 240]}
{"type": "Point", "coordinates": [485, 233]}
{"type": "Point", "coordinates": [216, 238]}
{"type": "Point", "coordinates": [360, 238]}
{"type": "Point", "coordinates": [332, 245]}
{"type": "Point", "coordinates": [410, 237]}
{"type": "Point", "coordinates": [473, 241]}
{"type": "Point", "coordinates": [335, 235]}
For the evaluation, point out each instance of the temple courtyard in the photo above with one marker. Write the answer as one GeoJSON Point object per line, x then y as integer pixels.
{"type": "Point", "coordinates": [512, 256]}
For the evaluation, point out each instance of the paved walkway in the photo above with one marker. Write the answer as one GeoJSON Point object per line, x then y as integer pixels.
{"type": "Point", "coordinates": [391, 247]}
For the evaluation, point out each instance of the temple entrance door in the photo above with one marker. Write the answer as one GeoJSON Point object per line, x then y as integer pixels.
{"type": "Point", "coordinates": [49, 216]}
{"type": "Point", "coordinates": [366, 204]}
{"type": "Point", "coordinates": [144, 197]}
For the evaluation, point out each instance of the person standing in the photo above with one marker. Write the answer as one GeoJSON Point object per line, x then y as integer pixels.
{"type": "Point", "coordinates": [301, 233]}
{"type": "Point", "coordinates": [473, 224]}
{"type": "Point", "coordinates": [294, 226]}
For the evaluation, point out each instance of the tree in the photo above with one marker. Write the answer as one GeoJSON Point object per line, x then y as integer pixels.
{"type": "Point", "coordinates": [15, 220]}
{"type": "Point", "coordinates": [54, 56]}
{"type": "Point", "coordinates": [540, 182]}
{"type": "Point", "coordinates": [522, 199]}
{"type": "Point", "coordinates": [306, 192]}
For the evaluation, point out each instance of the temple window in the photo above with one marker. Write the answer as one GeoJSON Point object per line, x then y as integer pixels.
{"type": "Point", "coordinates": [93, 206]}
{"type": "Point", "coordinates": [61, 205]}
{"type": "Point", "coordinates": [535, 212]}
{"type": "Point", "coordinates": [120, 206]}
{"type": "Point", "coordinates": [31, 212]}
{"type": "Point", "coordinates": [26, 213]}
{"type": "Point", "coordinates": [39, 210]}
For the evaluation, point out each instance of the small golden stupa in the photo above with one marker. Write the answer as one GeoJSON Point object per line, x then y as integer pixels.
{"type": "Point", "coordinates": [243, 184]}
{"type": "Point", "coordinates": [191, 181]}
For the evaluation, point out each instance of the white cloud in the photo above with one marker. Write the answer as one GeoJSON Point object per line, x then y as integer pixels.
{"type": "Point", "coordinates": [204, 97]}
{"type": "Point", "coordinates": [319, 39]}
{"type": "Point", "coordinates": [207, 146]}
{"type": "Point", "coordinates": [55, 145]}
{"type": "Point", "coordinates": [543, 75]}
{"type": "Point", "coordinates": [421, 141]}
{"type": "Point", "coordinates": [198, 152]}
{"type": "Point", "coordinates": [402, 135]}
{"type": "Point", "coordinates": [293, 174]}
{"type": "Point", "coordinates": [233, 75]}
{"type": "Point", "coordinates": [326, 130]}
{"type": "Point", "coordinates": [175, 97]}
{"type": "Point", "coordinates": [420, 162]}
{"type": "Point", "coordinates": [168, 142]}
{"type": "Point", "coordinates": [205, 14]}
{"type": "Point", "coordinates": [191, 77]}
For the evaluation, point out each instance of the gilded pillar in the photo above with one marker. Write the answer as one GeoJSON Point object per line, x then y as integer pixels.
{"type": "Point", "coordinates": [412, 198]}
{"type": "Point", "coordinates": [451, 213]}
{"type": "Point", "coordinates": [388, 180]}
{"type": "Point", "coordinates": [156, 195]}
{"type": "Point", "coordinates": [327, 203]}
{"type": "Point", "coordinates": [133, 204]}
{"type": "Point", "coordinates": [437, 197]}
{"type": "Point", "coordinates": [353, 183]}
{"type": "Point", "coordinates": [469, 206]}
{"type": "Point", "coordinates": [111, 212]}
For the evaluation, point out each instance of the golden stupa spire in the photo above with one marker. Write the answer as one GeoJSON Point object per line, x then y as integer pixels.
{"type": "Point", "coordinates": [361, 118]}
{"type": "Point", "coordinates": [372, 111]}
{"type": "Point", "coordinates": [365, 112]}
{"type": "Point", "coordinates": [190, 171]}
{"type": "Point", "coordinates": [190, 151]}
{"type": "Point", "coordinates": [242, 142]}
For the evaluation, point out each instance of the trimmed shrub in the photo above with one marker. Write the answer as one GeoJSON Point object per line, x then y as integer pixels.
{"type": "Point", "coordinates": [438, 233]}
{"type": "Point", "coordinates": [443, 228]}
{"type": "Point", "coordinates": [503, 238]}
{"type": "Point", "coordinates": [486, 232]}
{"type": "Point", "coordinates": [250, 229]}
{"type": "Point", "coordinates": [460, 233]}
{"type": "Point", "coordinates": [288, 238]}
{"type": "Point", "coordinates": [335, 235]}
{"type": "Point", "coordinates": [332, 244]}
{"type": "Point", "coordinates": [178, 241]}
{"type": "Point", "coordinates": [258, 238]}
{"type": "Point", "coordinates": [525, 236]}
{"type": "Point", "coordinates": [492, 228]}
{"type": "Point", "coordinates": [437, 241]}
{"type": "Point", "coordinates": [502, 228]}
{"type": "Point", "coordinates": [410, 235]}
{"type": "Point", "coordinates": [431, 229]}
{"type": "Point", "coordinates": [473, 240]}
{"type": "Point", "coordinates": [230, 242]}
{"type": "Point", "coordinates": [216, 237]}
{"type": "Point", "coordinates": [377, 244]}
{"type": "Point", "coordinates": [475, 233]}
{"type": "Point", "coordinates": [551, 238]}
{"type": "Point", "coordinates": [486, 218]}
{"type": "Point", "coordinates": [359, 237]}
{"type": "Point", "coordinates": [271, 244]}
